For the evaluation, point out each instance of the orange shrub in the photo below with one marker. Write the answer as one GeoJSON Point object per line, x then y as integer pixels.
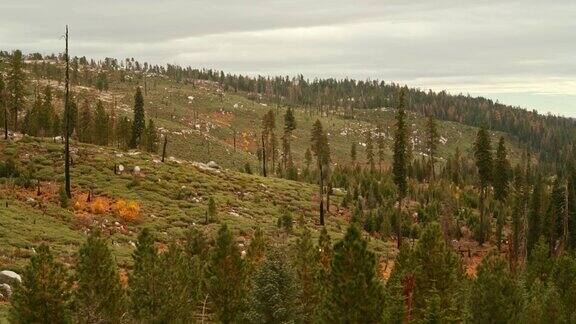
{"type": "Point", "coordinates": [99, 206]}
{"type": "Point", "coordinates": [127, 210]}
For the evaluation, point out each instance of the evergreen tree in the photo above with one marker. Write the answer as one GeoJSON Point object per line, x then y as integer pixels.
{"type": "Point", "coordinates": [73, 111]}
{"type": "Point", "coordinates": [85, 123]}
{"type": "Point", "coordinates": [495, 297]}
{"type": "Point", "coordinates": [306, 264]}
{"type": "Point", "coordinates": [150, 138]}
{"type": "Point", "coordinates": [16, 86]}
{"type": "Point", "coordinates": [356, 293]}
{"type": "Point", "coordinates": [256, 250]}
{"type": "Point", "coordinates": [138, 124]}
{"type": "Point", "coordinates": [400, 163]}
{"type": "Point", "coordinates": [370, 150]}
{"type": "Point", "coordinates": [274, 296]}
{"type": "Point", "coordinates": [289, 127]}
{"type": "Point", "coordinates": [483, 155]}
{"type": "Point", "coordinates": [320, 148]}
{"type": "Point", "coordinates": [100, 296]}
{"type": "Point", "coordinates": [143, 282]}
{"type": "Point", "coordinates": [535, 216]}
{"type": "Point", "coordinates": [226, 278]}
{"type": "Point", "coordinates": [432, 138]}
{"type": "Point", "coordinates": [123, 134]}
{"type": "Point", "coordinates": [47, 113]}
{"type": "Point", "coordinates": [101, 125]}
{"type": "Point", "coordinates": [44, 295]}
{"type": "Point", "coordinates": [4, 107]}
{"type": "Point", "coordinates": [501, 170]}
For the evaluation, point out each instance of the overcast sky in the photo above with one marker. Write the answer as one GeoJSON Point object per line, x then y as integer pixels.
{"type": "Point", "coordinates": [518, 52]}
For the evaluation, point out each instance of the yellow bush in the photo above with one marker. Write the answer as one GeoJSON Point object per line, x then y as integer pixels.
{"type": "Point", "coordinates": [127, 210]}
{"type": "Point", "coordinates": [99, 206]}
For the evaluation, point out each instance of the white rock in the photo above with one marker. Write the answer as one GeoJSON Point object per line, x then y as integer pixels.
{"type": "Point", "coordinates": [6, 290]}
{"type": "Point", "coordinates": [9, 277]}
{"type": "Point", "coordinates": [136, 170]}
{"type": "Point", "coordinates": [213, 165]}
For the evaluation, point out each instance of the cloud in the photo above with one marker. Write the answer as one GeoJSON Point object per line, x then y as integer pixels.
{"type": "Point", "coordinates": [485, 47]}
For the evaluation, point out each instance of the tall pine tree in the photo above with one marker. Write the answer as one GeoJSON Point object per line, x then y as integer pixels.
{"type": "Point", "coordinates": [138, 124]}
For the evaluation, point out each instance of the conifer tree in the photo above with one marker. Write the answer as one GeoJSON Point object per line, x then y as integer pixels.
{"type": "Point", "coordinates": [356, 294]}
{"type": "Point", "coordinates": [501, 170]}
{"type": "Point", "coordinates": [274, 296]}
{"type": "Point", "coordinates": [535, 216]}
{"type": "Point", "coordinates": [47, 113]}
{"type": "Point", "coordinates": [99, 296]}
{"type": "Point", "coordinates": [143, 285]}
{"type": "Point", "coordinates": [226, 278]}
{"type": "Point", "coordinates": [483, 155]}
{"type": "Point", "coordinates": [138, 124]}
{"type": "Point", "coordinates": [85, 123]}
{"type": "Point", "coordinates": [101, 125]}
{"type": "Point", "coordinates": [400, 163]}
{"type": "Point", "coordinates": [320, 148]}
{"type": "Point", "coordinates": [16, 85]}
{"type": "Point", "coordinates": [289, 127]}
{"type": "Point", "coordinates": [370, 150]}
{"type": "Point", "coordinates": [495, 296]}
{"type": "Point", "coordinates": [150, 138]}
{"type": "Point", "coordinates": [307, 267]}
{"type": "Point", "coordinates": [256, 250]}
{"type": "Point", "coordinates": [432, 138]}
{"type": "Point", "coordinates": [123, 134]}
{"type": "Point", "coordinates": [73, 111]}
{"type": "Point", "coordinates": [44, 294]}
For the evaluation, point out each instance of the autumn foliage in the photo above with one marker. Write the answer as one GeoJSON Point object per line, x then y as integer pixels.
{"type": "Point", "coordinates": [127, 210]}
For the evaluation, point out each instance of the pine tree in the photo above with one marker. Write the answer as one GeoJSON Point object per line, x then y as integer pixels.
{"type": "Point", "coordinates": [501, 170]}
{"type": "Point", "coordinates": [289, 127]}
{"type": "Point", "coordinates": [143, 283]}
{"type": "Point", "coordinates": [256, 250]}
{"type": "Point", "coordinates": [432, 138]}
{"type": "Point", "coordinates": [370, 150]}
{"type": "Point", "coordinates": [16, 86]}
{"type": "Point", "coordinates": [535, 216]}
{"type": "Point", "coordinates": [307, 266]}
{"type": "Point", "coordinates": [274, 296]}
{"type": "Point", "coordinates": [226, 278]}
{"type": "Point", "coordinates": [123, 134]}
{"type": "Point", "coordinates": [138, 124]}
{"type": "Point", "coordinates": [483, 155]}
{"type": "Point", "coordinates": [44, 295]}
{"type": "Point", "coordinates": [73, 111]}
{"type": "Point", "coordinates": [100, 296]}
{"type": "Point", "coordinates": [495, 296]}
{"type": "Point", "coordinates": [85, 123]}
{"type": "Point", "coordinates": [356, 294]}
{"type": "Point", "coordinates": [47, 113]}
{"type": "Point", "coordinates": [320, 148]}
{"type": "Point", "coordinates": [150, 138]}
{"type": "Point", "coordinates": [178, 287]}
{"type": "Point", "coordinates": [400, 163]}
{"type": "Point", "coordinates": [101, 125]}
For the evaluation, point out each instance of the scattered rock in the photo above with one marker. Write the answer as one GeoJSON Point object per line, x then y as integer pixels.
{"type": "Point", "coordinates": [213, 165]}
{"type": "Point", "coordinates": [136, 170]}
{"type": "Point", "coordinates": [235, 214]}
{"type": "Point", "coordinates": [119, 169]}
{"type": "Point", "coordinates": [9, 277]}
{"type": "Point", "coordinates": [5, 290]}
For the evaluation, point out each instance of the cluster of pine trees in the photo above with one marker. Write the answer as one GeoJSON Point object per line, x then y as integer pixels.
{"type": "Point", "coordinates": [89, 122]}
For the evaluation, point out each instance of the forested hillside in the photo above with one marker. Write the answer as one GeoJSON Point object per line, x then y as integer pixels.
{"type": "Point", "coordinates": [199, 196]}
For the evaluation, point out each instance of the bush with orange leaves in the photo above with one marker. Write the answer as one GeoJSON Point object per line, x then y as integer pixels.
{"type": "Point", "coordinates": [127, 210]}
{"type": "Point", "coordinates": [99, 206]}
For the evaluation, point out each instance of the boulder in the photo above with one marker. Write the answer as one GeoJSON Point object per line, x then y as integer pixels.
{"type": "Point", "coordinates": [5, 290]}
{"type": "Point", "coordinates": [136, 170]}
{"type": "Point", "coordinates": [9, 277]}
{"type": "Point", "coordinates": [213, 165]}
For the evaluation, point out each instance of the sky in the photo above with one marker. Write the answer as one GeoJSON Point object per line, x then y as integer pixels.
{"type": "Point", "coordinates": [521, 53]}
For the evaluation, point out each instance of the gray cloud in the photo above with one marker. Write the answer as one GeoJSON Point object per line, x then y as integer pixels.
{"type": "Point", "coordinates": [520, 52]}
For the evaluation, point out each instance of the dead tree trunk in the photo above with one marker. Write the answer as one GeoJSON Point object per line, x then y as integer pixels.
{"type": "Point", "coordinates": [164, 147]}
{"type": "Point", "coordinates": [67, 125]}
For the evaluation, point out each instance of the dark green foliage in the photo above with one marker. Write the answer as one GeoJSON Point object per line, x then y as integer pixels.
{"type": "Point", "coordinates": [99, 296]}
{"type": "Point", "coordinates": [15, 84]}
{"type": "Point", "coordinates": [256, 250]}
{"type": "Point", "coordinates": [285, 221]}
{"type": "Point", "coordinates": [274, 296]}
{"type": "Point", "coordinates": [138, 124]}
{"type": "Point", "coordinates": [101, 125]}
{"type": "Point", "coordinates": [306, 262]}
{"type": "Point", "coordinates": [44, 295]}
{"type": "Point", "coordinates": [535, 216]}
{"type": "Point", "coordinates": [432, 138]}
{"type": "Point", "coordinates": [495, 297]}
{"type": "Point", "coordinates": [85, 123]}
{"type": "Point", "coordinates": [143, 283]}
{"type": "Point", "coordinates": [483, 155]}
{"type": "Point", "coordinates": [356, 293]}
{"type": "Point", "coordinates": [226, 277]}
{"type": "Point", "coordinates": [72, 114]}
{"type": "Point", "coordinates": [353, 153]}
{"type": "Point", "coordinates": [400, 163]}
{"type": "Point", "coordinates": [501, 171]}
{"type": "Point", "coordinates": [123, 133]}
{"type": "Point", "coordinates": [150, 138]}
{"type": "Point", "coordinates": [370, 151]}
